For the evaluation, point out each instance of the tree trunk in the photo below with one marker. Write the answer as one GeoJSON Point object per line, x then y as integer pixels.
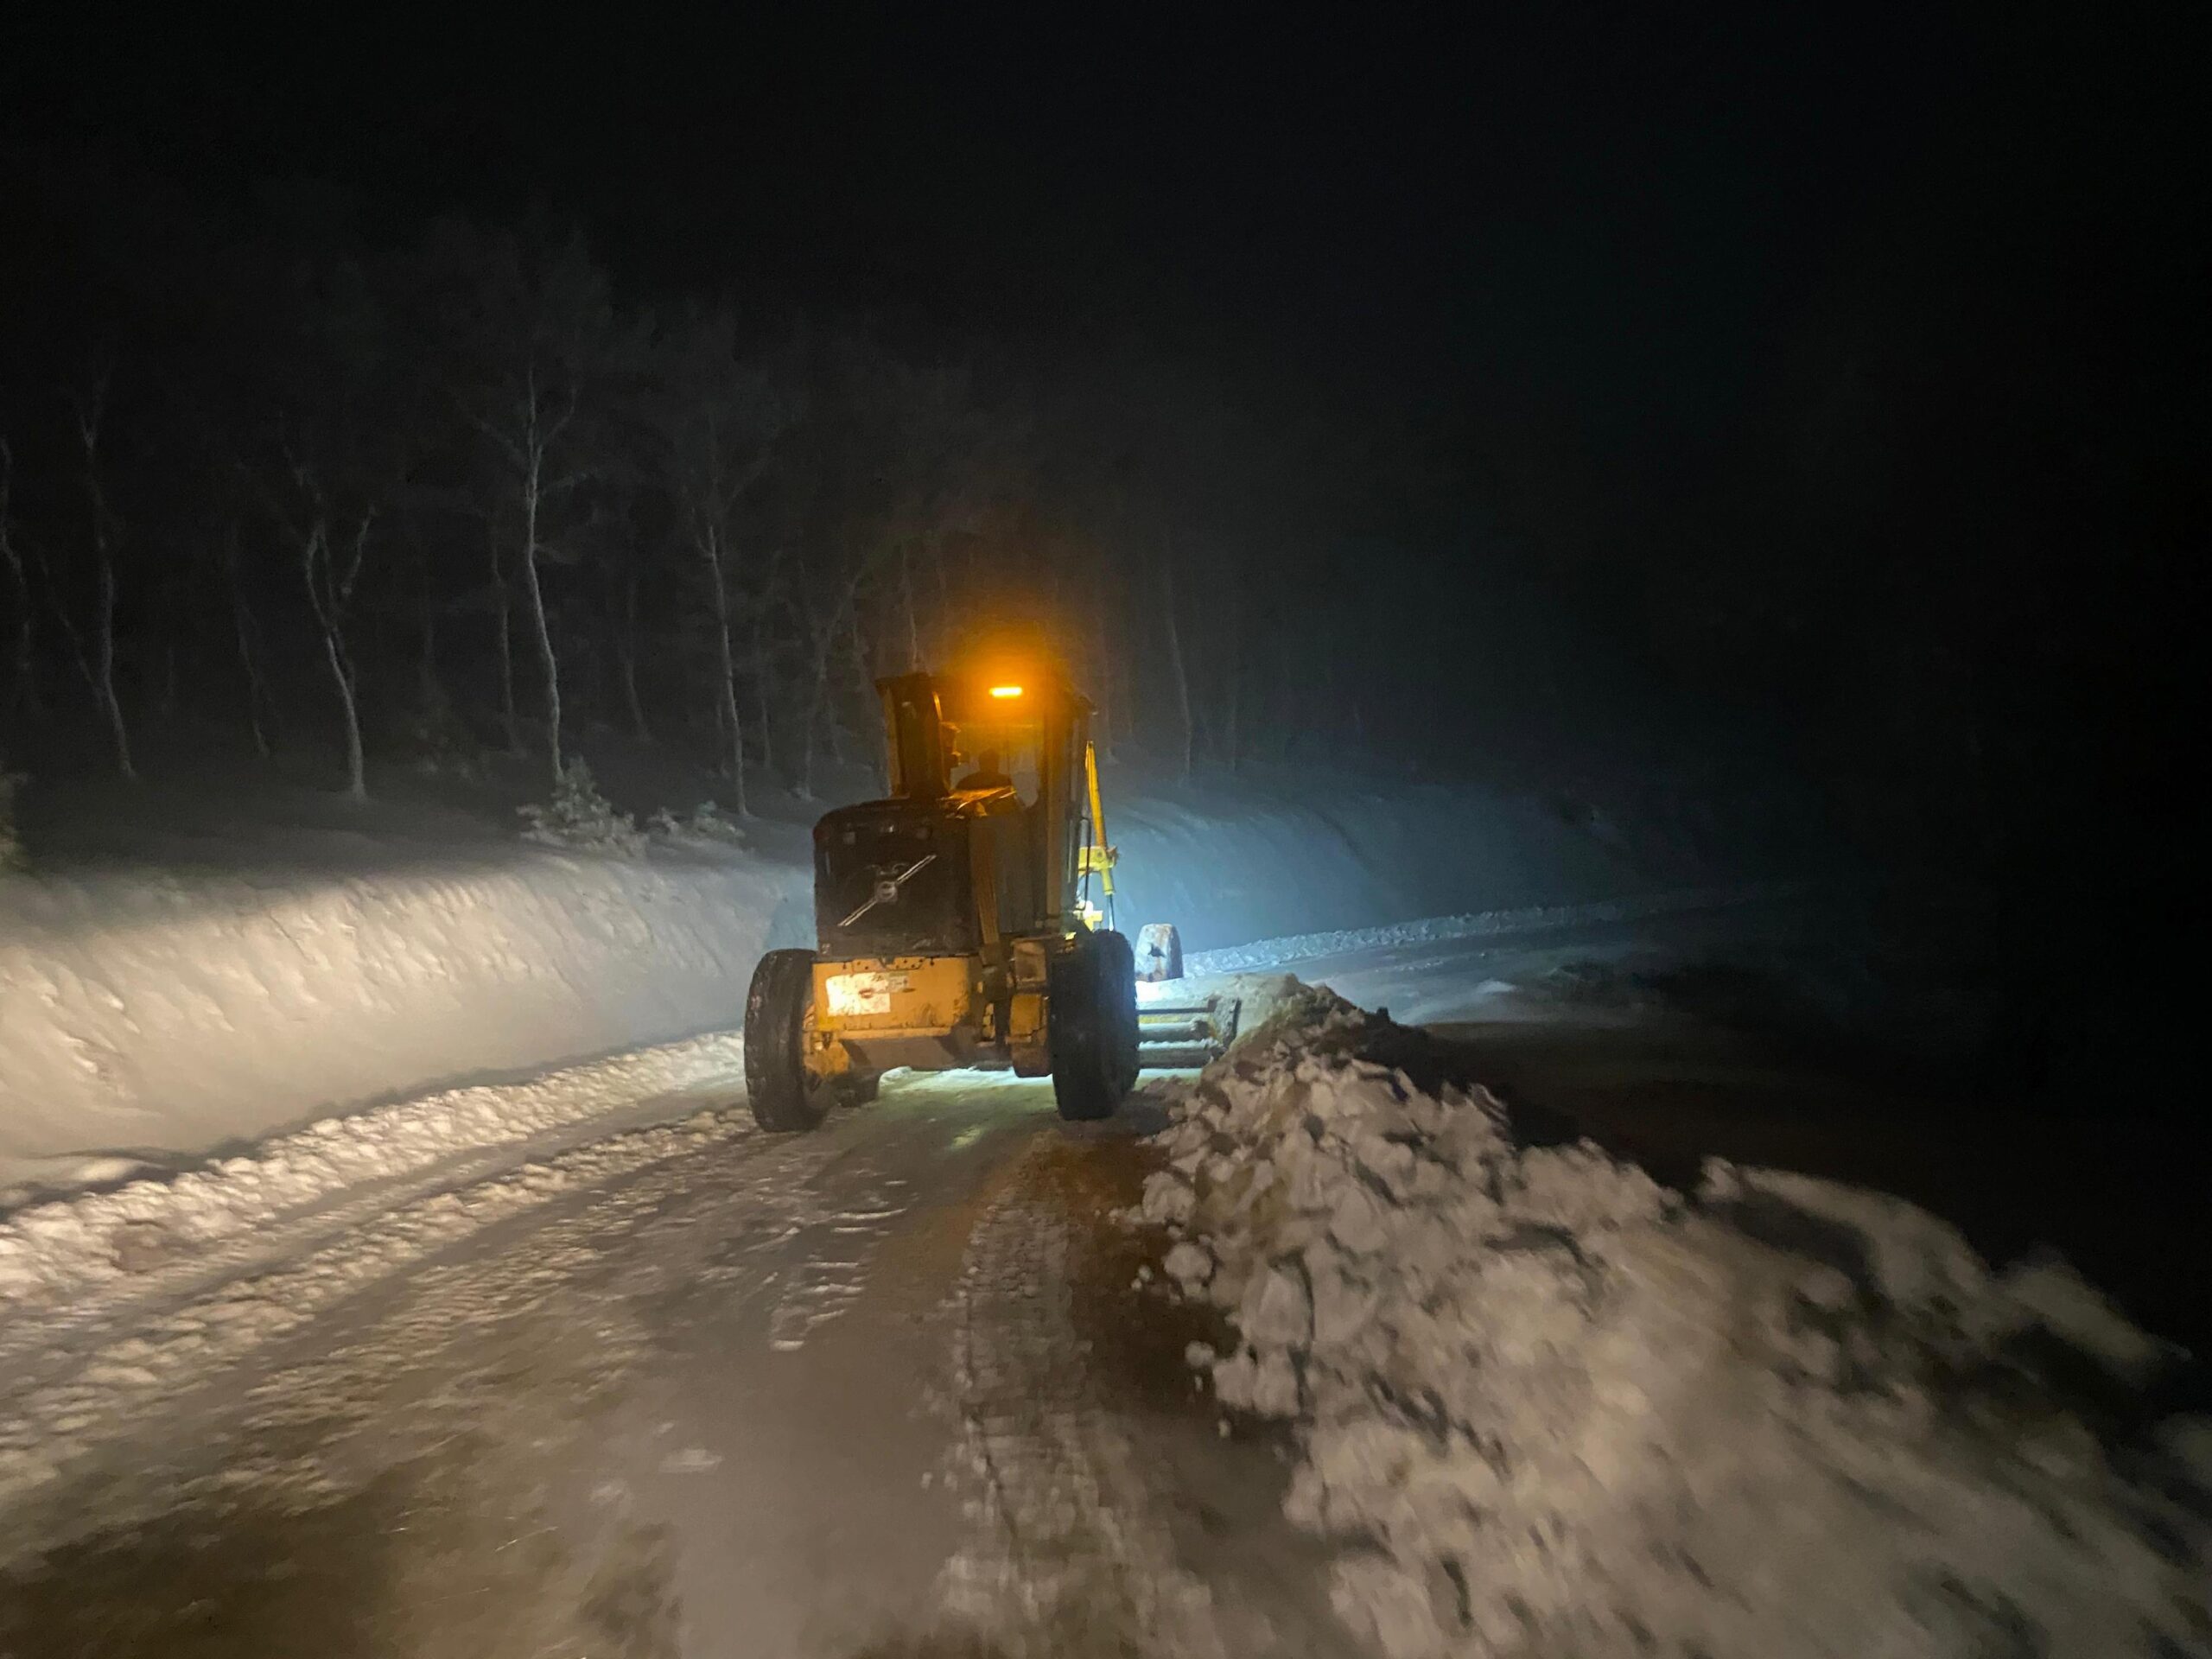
{"type": "Point", "coordinates": [733, 727]}
{"type": "Point", "coordinates": [341, 670]}
{"type": "Point", "coordinates": [823, 641]}
{"type": "Point", "coordinates": [502, 609]}
{"type": "Point", "coordinates": [532, 496]}
{"type": "Point", "coordinates": [22, 691]}
{"type": "Point", "coordinates": [315, 554]}
{"type": "Point", "coordinates": [879, 759]}
{"type": "Point", "coordinates": [1175, 665]}
{"type": "Point", "coordinates": [103, 666]}
{"type": "Point", "coordinates": [103, 669]}
{"type": "Point", "coordinates": [760, 693]}
{"type": "Point", "coordinates": [242, 629]}
{"type": "Point", "coordinates": [627, 655]}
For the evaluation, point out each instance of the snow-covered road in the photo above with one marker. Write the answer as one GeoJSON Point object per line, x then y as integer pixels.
{"type": "Point", "coordinates": [584, 1364]}
{"type": "Point", "coordinates": [584, 1356]}
{"type": "Point", "coordinates": [635, 1379]}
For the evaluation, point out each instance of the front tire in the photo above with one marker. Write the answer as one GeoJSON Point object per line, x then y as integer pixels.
{"type": "Point", "coordinates": [778, 1012]}
{"type": "Point", "coordinates": [1093, 1016]}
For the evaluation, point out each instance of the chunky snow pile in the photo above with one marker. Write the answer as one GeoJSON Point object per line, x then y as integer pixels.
{"type": "Point", "coordinates": [154, 1017]}
{"type": "Point", "coordinates": [1545, 1405]}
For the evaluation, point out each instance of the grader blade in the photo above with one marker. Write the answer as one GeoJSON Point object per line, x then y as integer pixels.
{"type": "Point", "coordinates": [1174, 1035]}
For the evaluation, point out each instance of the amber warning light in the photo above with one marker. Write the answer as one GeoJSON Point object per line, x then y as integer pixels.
{"type": "Point", "coordinates": [1006, 691]}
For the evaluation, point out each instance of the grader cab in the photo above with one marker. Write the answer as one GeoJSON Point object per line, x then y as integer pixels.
{"type": "Point", "coordinates": [964, 920]}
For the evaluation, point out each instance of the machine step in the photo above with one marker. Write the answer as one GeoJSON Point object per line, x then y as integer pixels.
{"type": "Point", "coordinates": [1179, 1034]}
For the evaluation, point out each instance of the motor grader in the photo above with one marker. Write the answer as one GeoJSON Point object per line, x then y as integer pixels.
{"type": "Point", "coordinates": [964, 920]}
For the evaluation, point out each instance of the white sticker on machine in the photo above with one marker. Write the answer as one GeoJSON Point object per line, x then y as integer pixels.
{"type": "Point", "coordinates": [863, 993]}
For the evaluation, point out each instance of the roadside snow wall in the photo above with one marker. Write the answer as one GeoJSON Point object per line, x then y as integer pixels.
{"type": "Point", "coordinates": [157, 1017]}
{"type": "Point", "coordinates": [147, 1015]}
{"type": "Point", "coordinates": [1545, 1406]}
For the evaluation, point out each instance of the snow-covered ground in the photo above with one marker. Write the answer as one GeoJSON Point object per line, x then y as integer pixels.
{"type": "Point", "coordinates": [153, 1015]}
{"type": "Point", "coordinates": [1272, 856]}
{"type": "Point", "coordinates": [585, 1355]}
{"type": "Point", "coordinates": [1518, 922]}
{"type": "Point", "coordinates": [1542, 1404]}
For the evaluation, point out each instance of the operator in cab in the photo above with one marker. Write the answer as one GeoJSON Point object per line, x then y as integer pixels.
{"type": "Point", "coordinates": [987, 774]}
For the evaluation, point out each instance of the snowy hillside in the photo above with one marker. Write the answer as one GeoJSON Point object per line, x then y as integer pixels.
{"type": "Point", "coordinates": [1306, 852]}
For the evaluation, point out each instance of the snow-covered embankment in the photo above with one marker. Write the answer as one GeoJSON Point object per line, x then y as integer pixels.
{"type": "Point", "coordinates": [157, 1017]}
{"type": "Point", "coordinates": [153, 1016]}
{"type": "Point", "coordinates": [1545, 1404]}
{"type": "Point", "coordinates": [1305, 852]}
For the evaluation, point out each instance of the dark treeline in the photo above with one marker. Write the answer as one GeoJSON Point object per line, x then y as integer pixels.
{"type": "Point", "coordinates": [399, 499]}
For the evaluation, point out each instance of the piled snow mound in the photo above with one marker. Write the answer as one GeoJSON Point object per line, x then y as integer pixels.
{"type": "Point", "coordinates": [161, 1017]}
{"type": "Point", "coordinates": [1545, 1405]}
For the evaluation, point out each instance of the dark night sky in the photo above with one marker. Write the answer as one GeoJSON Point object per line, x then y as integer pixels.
{"type": "Point", "coordinates": [1584, 202]}
{"type": "Point", "coordinates": [1659, 242]}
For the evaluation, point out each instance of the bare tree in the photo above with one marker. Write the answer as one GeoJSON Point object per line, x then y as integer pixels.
{"type": "Point", "coordinates": [1175, 665]}
{"type": "Point", "coordinates": [763, 667]}
{"type": "Point", "coordinates": [625, 653]}
{"type": "Point", "coordinates": [23, 693]}
{"type": "Point", "coordinates": [720, 429]}
{"type": "Point", "coordinates": [330, 573]}
{"type": "Point", "coordinates": [523, 427]}
{"type": "Point", "coordinates": [247, 634]}
{"type": "Point", "coordinates": [503, 616]}
{"type": "Point", "coordinates": [824, 623]}
{"type": "Point", "coordinates": [540, 349]}
{"type": "Point", "coordinates": [97, 665]}
{"type": "Point", "coordinates": [324, 508]}
{"type": "Point", "coordinates": [863, 684]}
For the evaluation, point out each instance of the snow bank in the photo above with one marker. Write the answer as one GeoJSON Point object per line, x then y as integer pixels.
{"type": "Point", "coordinates": [1308, 853]}
{"type": "Point", "coordinates": [153, 1017]}
{"type": "Point", "coordinates": [1478, 925]}
{"type": "Point", "coordinates": [1544, 1405]}
{"type": "Point", "coordinates": [52, 1253]}
{"type": "Point", "coordinates": [158, 1018]}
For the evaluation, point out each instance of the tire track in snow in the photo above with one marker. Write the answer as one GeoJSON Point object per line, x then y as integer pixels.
{"type": "Point", "coordinates": [70, 1268]}
{"type": "Point", "coordinates": [120, 1387]}
{"type": "Point", "coordinates": [1065, 1557]}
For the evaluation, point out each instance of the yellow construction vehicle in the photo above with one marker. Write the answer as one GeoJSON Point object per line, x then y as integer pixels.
{"type": "Point", "coordinates": [963, 920]}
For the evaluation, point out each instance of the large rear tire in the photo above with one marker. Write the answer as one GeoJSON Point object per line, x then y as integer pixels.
{"type": "Point", "coordinates": [1093, 1016]}
{"type": "Point", "coordinates": [778, 1012]}
{"type": "Point", "coordinates": [1119, 986]}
